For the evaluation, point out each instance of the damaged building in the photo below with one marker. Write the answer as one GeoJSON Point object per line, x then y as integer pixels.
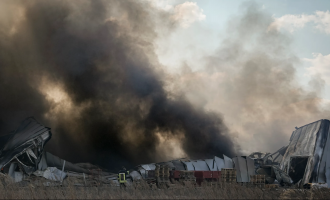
{"type": "Point", "coordinates": [307, 158]}
{"type": "Point", "coordinates": [22, 155]}
{"type": "Point", "coordinates": [304, 161]}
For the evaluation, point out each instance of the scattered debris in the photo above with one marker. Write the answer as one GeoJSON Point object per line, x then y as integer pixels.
{"type": "Point", "coordinates": [303, 163]}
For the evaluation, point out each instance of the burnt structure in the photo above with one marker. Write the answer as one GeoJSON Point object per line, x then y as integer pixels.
{"type": "Point", "coordinates": [307, 158]}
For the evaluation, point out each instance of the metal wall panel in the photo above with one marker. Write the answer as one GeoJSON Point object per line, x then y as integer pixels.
{"type": "Point", "coordinates": [197, 166]}
{"type": "Point", "coordinates": [211, 164]}
{"type": "Point", "coordinates": [243, 169]}
{"type": "Point", "coordinates": [228, 162]}
{"type": "Point", "coordinates": [145, 167]}
{"type": "Point", "coordinates": [135, 175]}
{"type": "Point", "coordinates": [189, 166]}
{"type": "Point", "coordinates": [322, 169]}
{"type": "Point", "coordinates": [178, 165]}
{"type": "Point", "coordinates": [143, 173]}
{"type": "Point", "coordinates": [308, 141]}
{"type": "Point", "coordinates": [327, 163]}
{"type": "Point", "coordinates": [238, 171]}
{"type": "Point", "coordinates": [220, 163]}
{"type": "Point", "coordinates": [322, 136]}
{"type": "Point", "coordinates": [250, 167]}
{"type": "Point", "coordinates": [203, 165]}
{"type": "Point", "coordinates": [152, 166]}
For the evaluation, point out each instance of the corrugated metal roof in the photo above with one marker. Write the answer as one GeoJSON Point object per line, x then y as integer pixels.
{"type": "Point", "coordinates": [200, 165]}
{"type": "Point", "coordinates": [211, 164]}
{"type": "Point", "coordinates": [228, 162]}
{"type": "Point", "coordinates": [189, 166]}
{"type": "Point", "coordinates": [178, 165]}
{"type": "Point", "coordinates": [220, 163]}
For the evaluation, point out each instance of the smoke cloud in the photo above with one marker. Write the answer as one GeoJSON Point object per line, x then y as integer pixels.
{"type": "Point", "coordinates": [88, 70]}
{"type": "Point", "coordinates": [252, 80]}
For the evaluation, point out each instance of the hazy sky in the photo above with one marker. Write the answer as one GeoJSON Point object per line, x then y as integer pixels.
{"type": "Point", "coordinates": [204, 32]}
{"type": "Point", "coordinates": [204, 35]}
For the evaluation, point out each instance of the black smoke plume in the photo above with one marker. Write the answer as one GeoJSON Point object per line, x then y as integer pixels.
{"type": "Point", "coordinates": [88, 70]}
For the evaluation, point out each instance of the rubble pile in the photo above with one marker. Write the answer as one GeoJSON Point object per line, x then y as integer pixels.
{"type": "Point", "coordinates": [301, 164]}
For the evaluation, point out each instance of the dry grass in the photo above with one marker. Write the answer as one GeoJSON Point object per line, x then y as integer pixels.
{"type": "Point", "coordinates": [10, 190]}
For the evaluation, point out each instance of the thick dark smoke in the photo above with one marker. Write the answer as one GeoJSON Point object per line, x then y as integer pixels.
{"type": "Point", "coordinates": [87, 69]}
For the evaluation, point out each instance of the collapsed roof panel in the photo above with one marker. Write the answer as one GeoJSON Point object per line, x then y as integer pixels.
{"type": "Point", "coordinates": [10, 155]}
{"type": "Point", "coordinates": [29, 130]}
{"type": "Point", "coordinates": [310, 142]}
{"type": "Point", "coordinates": [4, 139]}
{"type": "Point", "coordinates": [54, 161]}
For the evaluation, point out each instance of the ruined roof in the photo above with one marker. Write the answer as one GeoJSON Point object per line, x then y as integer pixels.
{"type": "Point", "coordinates": [310, 141]}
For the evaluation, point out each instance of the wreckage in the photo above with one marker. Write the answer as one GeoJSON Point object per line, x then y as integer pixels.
{"type": "Point", "coordinates": [307, 158]}
{"type": "Point", "coordinates": [22, 154]}
{"type": "Point", "coordinates": [303, 162]}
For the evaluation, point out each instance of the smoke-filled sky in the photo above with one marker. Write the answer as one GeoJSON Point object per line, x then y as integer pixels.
{"type": "Point", "coordinates": [128, 82]}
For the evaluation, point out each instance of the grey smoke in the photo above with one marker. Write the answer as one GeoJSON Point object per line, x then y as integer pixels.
{"type": "Point", "coordinates": [257, 91]}
{"type": "Point", "coordinates": [110, 102]}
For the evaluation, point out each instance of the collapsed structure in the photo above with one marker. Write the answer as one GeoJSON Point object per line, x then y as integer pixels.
{"type": "Point", "coordinates": [304, 161]}
{"type": "Point", "coordinates": [22, 154]}
{"type": "Point", "coordinates": [307, 158]}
